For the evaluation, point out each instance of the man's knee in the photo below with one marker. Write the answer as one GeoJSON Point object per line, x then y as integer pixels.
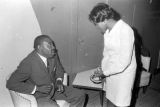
{"type": "Point", "coordinates": [43, 102]}
{"type": "Point", "coordinates": [79, 94]}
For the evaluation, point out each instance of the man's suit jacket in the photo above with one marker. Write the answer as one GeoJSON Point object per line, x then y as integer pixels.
{"type": "Point", "coordinates": [32, 71]}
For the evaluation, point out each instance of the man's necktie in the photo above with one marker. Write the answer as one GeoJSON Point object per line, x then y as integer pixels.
{"type": "Point", "coordinates": [48, 66]}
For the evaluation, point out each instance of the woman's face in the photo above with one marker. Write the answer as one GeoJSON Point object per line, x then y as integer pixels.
{"type": "Point", "coordinates": [102, 26]}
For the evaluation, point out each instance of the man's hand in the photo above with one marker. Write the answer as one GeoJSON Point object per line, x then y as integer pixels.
{"type": "Point", "coordinates": [44, 88]}
{"type": "Point", "coordinates": [60, 87]}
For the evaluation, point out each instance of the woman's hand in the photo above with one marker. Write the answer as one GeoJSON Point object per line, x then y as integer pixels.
{"type": "Point", "coordinates": [99, 73]}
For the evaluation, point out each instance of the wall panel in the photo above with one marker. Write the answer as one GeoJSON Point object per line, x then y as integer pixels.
{"type": "Point", "coordinates": [90, 40]}
{"type": "Point", "coordinates": [56, 19]}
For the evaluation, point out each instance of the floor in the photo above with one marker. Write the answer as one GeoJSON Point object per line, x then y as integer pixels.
{"type": "Point", "coordinates": [150, 99]}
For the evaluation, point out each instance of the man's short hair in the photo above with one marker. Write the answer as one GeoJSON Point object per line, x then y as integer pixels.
{"type": "Point", "coordinates": [39, 39]}
{"type": "Point", "coordinates": [102, 11]}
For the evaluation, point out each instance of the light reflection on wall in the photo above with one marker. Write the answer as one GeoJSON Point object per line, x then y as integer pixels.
{"type": "Point", "coordinates": [18, 28]}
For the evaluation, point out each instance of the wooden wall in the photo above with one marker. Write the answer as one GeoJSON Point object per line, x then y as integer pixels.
{"type": "Point", "coordinates": [79, 43]}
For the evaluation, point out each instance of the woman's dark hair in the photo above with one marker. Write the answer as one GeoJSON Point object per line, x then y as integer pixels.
{"type": "Point", "coordinates": [101, 12]}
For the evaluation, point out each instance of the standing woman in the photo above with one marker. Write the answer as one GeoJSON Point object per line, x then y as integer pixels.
{"type": "Point", "coordinates": [118, 63]}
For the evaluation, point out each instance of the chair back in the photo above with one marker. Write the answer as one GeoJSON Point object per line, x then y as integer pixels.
{"type": "Point", "coordinates": [23, 100]}
{"type": "Point", "coordinates": [145, 75]}
{"type": "Point", "coordinates": [65, 79]}
{"type": "Point", "coordinates": [146, 62]}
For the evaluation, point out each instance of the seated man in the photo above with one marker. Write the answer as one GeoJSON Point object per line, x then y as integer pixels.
{"type": "Point", "coordinates": [41, 74]}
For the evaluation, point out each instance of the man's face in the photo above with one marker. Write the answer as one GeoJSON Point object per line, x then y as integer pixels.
{"type": "Point", "coordinates": [47, 49]}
